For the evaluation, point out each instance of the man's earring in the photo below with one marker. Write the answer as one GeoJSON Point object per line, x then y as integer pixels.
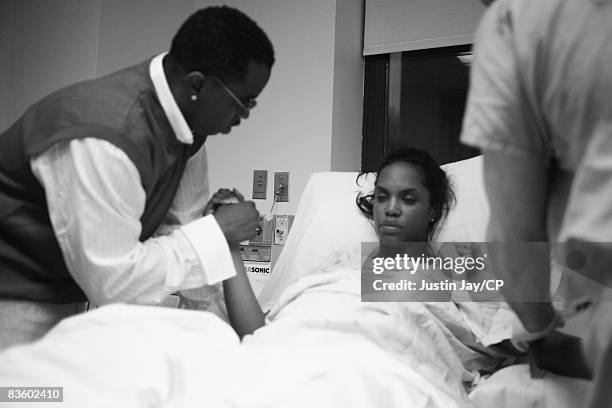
{"type": "Point", "coordinates": [194, 98]}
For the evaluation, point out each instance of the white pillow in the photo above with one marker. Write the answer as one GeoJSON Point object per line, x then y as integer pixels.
{"type": "Point", "coordinates": [328, 222]}
{"type": "Point", "coordinates": [467, 221]}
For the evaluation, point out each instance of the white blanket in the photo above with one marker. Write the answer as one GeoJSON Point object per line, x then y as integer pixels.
{"type": "Point", "coordinates": [513, 387]}
{"type": "Point", "coordinates": [322, 348]}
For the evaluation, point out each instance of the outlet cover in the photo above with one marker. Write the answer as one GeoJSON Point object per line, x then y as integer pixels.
{"type": "Point", "coordinates": [260, 183]}
{"type": "Point", "coordinates": [281, 186]}
{"type": "Point", "coordinates": [281, 229]}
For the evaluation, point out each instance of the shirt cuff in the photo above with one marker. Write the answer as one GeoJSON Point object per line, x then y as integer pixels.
{"type": "Point", "coordinates": [211, 247]}
{"type": "Point", "coordinates": [521, 337]}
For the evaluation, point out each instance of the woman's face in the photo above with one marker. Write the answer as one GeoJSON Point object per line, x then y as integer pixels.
{"type": "Point", "coordinates": [401, 206]}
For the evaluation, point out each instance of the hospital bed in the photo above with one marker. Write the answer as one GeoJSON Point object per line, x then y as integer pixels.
{"type": "Point", "coordinates": [328, 222]}
{"type": "Point", "coordinates": [327, 227]}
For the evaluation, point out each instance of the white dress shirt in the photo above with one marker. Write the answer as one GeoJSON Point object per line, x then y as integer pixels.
{"type": "Point", "coordinates": [95, 200]}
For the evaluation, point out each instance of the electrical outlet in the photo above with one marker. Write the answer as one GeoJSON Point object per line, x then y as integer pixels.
{"type": "Point", "coordinates": [265, 232]}
{"type": "Point", "coordinates": [281, 229]}
{"type": "Point", "coordinates": [281, 185]}
{"type": "Point", "coordinates": [260, 183]}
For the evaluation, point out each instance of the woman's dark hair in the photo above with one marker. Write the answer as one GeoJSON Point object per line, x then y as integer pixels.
{"type": "Point", "coordinates": [441, 195]}
{"type": "Point", "coordinates": [221, 41]}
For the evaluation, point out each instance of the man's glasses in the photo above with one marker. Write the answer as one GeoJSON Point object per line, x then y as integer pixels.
{"type": "Point", "coordinates": [245, 108]}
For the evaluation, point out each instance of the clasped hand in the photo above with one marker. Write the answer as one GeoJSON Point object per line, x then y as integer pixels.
{"type": "Point", "coordinates": [236, 217]}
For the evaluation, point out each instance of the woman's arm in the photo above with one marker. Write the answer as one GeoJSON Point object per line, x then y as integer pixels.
{"type": "Point", "coordinates": [242, 307]}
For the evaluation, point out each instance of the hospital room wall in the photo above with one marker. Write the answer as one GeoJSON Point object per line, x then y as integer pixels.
{"type": "Point", "coordinates": [294, 126]}
{"type": "Point", "coordinates": [308, 118]}
{"type": "Point", "coordinates": [45, 45]}
{"type": "Point", "coordinates": [52, 43]}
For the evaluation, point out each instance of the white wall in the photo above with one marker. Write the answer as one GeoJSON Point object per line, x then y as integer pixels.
{"type": "Point", "coordinates": [309, 117]}
{"type": "Point", "coordinates": [133, 30]}
{"type": "Point", "coordinates": [404, 25]}
{"type": "Point", "coordinates": [54, 43]}
{"type": "Point", "coordinates": [290, 129]}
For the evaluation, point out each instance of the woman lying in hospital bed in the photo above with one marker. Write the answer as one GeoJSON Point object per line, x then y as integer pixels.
{"type": "Point", "coordinates": [321, 346]}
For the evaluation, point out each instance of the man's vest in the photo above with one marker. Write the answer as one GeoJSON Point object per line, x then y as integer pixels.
{"type": "Point", "coordinates": [121, 108]}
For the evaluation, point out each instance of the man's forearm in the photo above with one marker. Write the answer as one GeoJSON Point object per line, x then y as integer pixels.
{"type": "Point", "coordinates": [517, 188]}
{"type": "Point", "coordinates": [523, 266]}
{"type": "Point", "coordinates": [95, 209]}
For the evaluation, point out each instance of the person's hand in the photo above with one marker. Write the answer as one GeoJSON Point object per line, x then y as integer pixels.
{"type": "Point", "coordinates": [561, 354]}
{"type": "Point", "coordinates": [237, 221]}
{"type": "Point", "coordinates": [222, 196]}
{"type": "Point", "coordinates": [536, 320]}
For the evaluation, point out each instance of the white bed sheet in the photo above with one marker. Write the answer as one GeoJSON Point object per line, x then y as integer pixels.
{"type": "Point", "coordinates": [513, 387]}
{"type": "Point", "coordinates": [137, 356]}
{"type": "Point", "coordinates": [322, 347]}
{"type": "Point", "coordinates": [125, 356]}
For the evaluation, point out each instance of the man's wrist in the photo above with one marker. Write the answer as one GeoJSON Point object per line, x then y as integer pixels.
{"type": "Point", "coordinates": [535, 316]}
{"type": "Point", "coordinates": [212, 250]}
{"type": "Point", "coordinates": [522, 337]}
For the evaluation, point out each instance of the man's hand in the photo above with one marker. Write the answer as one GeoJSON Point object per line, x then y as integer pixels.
{"type": "Point", "coordinates": [237, 221]}
{"type": "Point", "coordinates": [222, 196]}
{"type": "Point", "coordinates": [561, 354]}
